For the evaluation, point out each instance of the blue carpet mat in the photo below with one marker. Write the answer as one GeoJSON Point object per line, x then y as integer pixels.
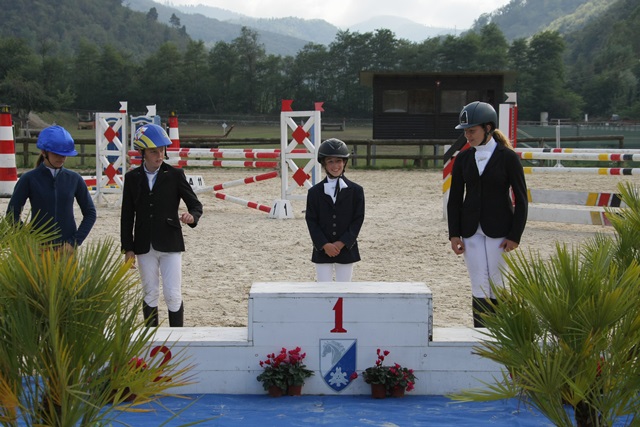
{"type": "Point", "coordinates": [262, 410]}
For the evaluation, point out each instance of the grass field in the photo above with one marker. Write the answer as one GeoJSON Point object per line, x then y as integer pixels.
{"type": "Point", "coordinates": [246, 133]}
{"type": "Point", "coordinates": [241, 133]}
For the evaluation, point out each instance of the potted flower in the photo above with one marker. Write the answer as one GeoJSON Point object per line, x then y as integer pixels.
{"type": "Point", "coordinates": [284, 372]}
{"type": "Point", "coordinates": [273, 377]}
{"type": "Point", "coordinates": [399, 380]}
{"type": "Point", "coordinates": [377, 375]}
{"type": "Point", "coordinates": [384, 380]}
{"type": "Point", "coordinates": [296, 371]}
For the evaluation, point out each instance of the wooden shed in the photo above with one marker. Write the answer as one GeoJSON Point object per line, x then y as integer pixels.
{"type": "Point", "coordinates": [427, 105]}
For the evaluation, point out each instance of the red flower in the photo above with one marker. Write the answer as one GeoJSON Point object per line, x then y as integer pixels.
{"type": "Point", "coordinates": [138, 363]}
{"type": "Point", "coordinates": [353, 376]}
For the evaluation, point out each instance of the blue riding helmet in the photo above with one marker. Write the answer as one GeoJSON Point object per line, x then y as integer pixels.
{"type": "Point", "coordinates": [57, 140]}
{"type": "Point", "coordinates": [151, 136]}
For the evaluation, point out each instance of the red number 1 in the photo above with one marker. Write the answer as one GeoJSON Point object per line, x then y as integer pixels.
{"type": "Point", "coordinates": [338, 317]}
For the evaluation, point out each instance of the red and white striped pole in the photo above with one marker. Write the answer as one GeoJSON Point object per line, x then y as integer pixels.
{"type": "Point", "coordinates": [8, 170]}
{"type": "Point", "coordinates": [174, 134]}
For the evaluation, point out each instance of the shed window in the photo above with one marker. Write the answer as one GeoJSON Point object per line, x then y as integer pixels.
{"type": "Point", "coordinates": [422, 101]}
{"type": "Point", "coordinates": [394, 101]}
{"type": "Point", "coordinates": [454, 100]}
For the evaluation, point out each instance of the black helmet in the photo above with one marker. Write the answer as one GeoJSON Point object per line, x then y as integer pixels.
{"type": "Point", "coordinates": [333, 148]}
{"type": "Point", "coordinates": [477, 113]}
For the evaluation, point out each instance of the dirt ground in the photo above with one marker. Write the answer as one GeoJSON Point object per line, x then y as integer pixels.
{"type": "Point", "coordinates": [404, 239]}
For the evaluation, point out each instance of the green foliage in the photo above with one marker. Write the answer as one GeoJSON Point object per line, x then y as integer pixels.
{"type": "Point", "coordinates": [89, 55]}
{"type": "Point", "coordinates": [71, 340]}
{"type": "Point", "coordinates": [62, 24]}
{"type": "Point", "coordinates": [567, 329]}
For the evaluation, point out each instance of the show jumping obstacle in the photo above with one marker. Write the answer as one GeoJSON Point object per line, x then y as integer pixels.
{"type": "Point", "coordinates": [297, 142]}
{"type": "Point", "coordinates": [574, 207]}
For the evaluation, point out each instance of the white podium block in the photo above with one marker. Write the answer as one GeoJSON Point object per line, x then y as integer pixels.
{"type": "Point", "coordinates": [340, 326]}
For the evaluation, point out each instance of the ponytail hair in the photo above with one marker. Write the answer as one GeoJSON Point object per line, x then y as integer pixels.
{"type": "Point", "coordinates": [501, 138]}
{"type": "Point", "coordinates": [40, 159]}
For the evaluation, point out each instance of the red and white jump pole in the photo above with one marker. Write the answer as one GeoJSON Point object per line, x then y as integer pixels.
{"type": "Point", "coordinates": [8, 169]}
{"type": "Point", "coordinates": [243, 202]}
{"type": "Point", "coordinates": [249, 180]}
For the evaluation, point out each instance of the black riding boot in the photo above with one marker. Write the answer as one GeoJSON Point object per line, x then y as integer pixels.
{"type": "Point", "coordinates": [480, 306]}
{"type": "Point", "coordinates": [176, 318]}
{"type": "Point", "coordinates": [150, 315]}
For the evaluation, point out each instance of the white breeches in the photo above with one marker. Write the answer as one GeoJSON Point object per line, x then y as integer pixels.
{"type": "Point", "coordinates": [324, 272]}
{"type": "Point", "coordinates": [168, 264]}
{"type": "Point", "coordinates": [485, 261]}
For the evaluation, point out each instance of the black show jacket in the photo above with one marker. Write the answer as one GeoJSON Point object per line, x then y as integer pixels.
{"type": "Point", "coordinates": [151, 216]}
{"type": "Point", "coordinates": [328, 222]}
{"type": "Point", "coordinates": [486, 200]}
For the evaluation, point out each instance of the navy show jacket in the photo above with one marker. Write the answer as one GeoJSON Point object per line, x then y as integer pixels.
{"type": "Point", "coordinates": [485, 199]}
{"type": "Point", "coordinates": [330, 222]}
{"type": "Point", "coordinates": [150, 217]}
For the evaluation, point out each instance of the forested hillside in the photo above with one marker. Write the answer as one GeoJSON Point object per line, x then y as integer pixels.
{"type": "Point", "coordinates": [61, 25]}
{"type": "Point", "coordinates": [524, 18]}
{"type": "Point", "coordinates": [211, 30]}
{"type": "Point", "coordinates": [56, 62]}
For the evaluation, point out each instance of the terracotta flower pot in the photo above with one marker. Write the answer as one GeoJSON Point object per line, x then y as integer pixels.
{"type": "Point", "coordinates": [294, 390]}
{"type": "Point", "coordinates": [378, 391]}
{"type": "Point", "coordinates": [275, 391]}
{"type": "Point", "coordinates": [397, 391]}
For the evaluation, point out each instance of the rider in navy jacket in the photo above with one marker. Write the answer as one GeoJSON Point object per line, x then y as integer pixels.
{"type": "Point", "coordinates": [51, 190]}
{"type": "Point", "coordinates": [334, 215]}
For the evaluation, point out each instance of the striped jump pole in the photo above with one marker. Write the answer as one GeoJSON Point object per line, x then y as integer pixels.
{"type": "Point", "coordinates": [576, 198]}
{"type": "Point", "coordinates": [578, 150]}
{"type": "Point", "coordinates": [578, 170]}
{"type": "Point", "coordinates": [249, 180]}
{"type": "Point", "coordinates": [238, 153]}
{"type": "Point", "coordinates": [92, 182]}
{"type": "Point", "coordinates": [243, 202]}
{"type": "Point", "coordinates": [8, 169]}
{"type": "Point", "coordinates": [225, 155]}
{"type": "Point", "coordinates": [582, 156]}
{"type": "Point", "coordinates": [213, 163]}
{"type": "Point", "coordinates": [569, 216]}
{"type": "Point", "coordinates": [223, 164]}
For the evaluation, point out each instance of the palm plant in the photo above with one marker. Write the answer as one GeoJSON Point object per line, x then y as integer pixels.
{"type": "Point", "coordinates": [567, 329]}
{"type": "Point", "coordinates": [70, 335]}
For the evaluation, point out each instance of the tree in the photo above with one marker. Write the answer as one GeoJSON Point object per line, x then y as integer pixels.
{"type": "Point", "coordinates": [116, 80]}
{"type": "Point", "coordinates": [161, 80]}
{"type": "Point", "coordinates": [307, 75]}
{"type": "Point", "coordinates": [493, 55]}
{"type": "Point", "coordinates": [567, 330]}
{"type": "Point", "coordinates": [222, 62]}
{"type": "Point", "coordinates": [249, 53]}
{"type": "Point", "coordinates": [174, 21]}
{"type": "Point", "coordinates": [196, 79]}
{"type": "Point", "coordinates": [152, 15]}
{"type": "Point", "coordinates": [72, 345]}
{"type": "Point", "coordinates": [543, 77]}
{"type": "Point", "coordinates": [86, 72]}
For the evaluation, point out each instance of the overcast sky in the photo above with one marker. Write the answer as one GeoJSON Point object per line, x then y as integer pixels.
{"type": "Point", "coordinates": [342, 13]}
